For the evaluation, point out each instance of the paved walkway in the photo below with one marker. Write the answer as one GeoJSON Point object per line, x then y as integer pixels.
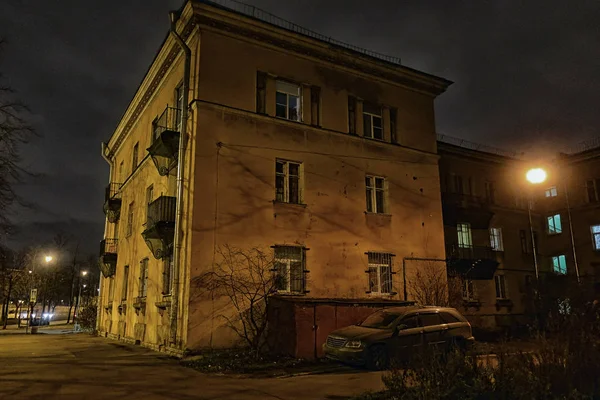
{"type": "Point", "coordinates": [80, 366]}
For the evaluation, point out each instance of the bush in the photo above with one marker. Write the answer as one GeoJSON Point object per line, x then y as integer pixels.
{"type": "Point", "coordinates": [87, 317]}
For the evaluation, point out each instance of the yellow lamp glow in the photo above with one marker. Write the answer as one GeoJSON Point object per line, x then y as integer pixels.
{"type": "Point", "coordinates": [536, 175]}
{"type": "Point", "coordinates": [48, 259]}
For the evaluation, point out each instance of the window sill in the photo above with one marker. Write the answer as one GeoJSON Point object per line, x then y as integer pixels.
{"type": "Point", "coordinates": [108, 306]}
{"type": "Point", "coordinates": [378, 294]}
{"type": "Point", "coordinates": [504, 303]}
{"type": "Point", "coordinates": [375, 139]}
{"type": "Point", "coordinates": [553, 233]}
{"type": "Point", "coordinates": [471, 303]}
{"type": "Point", "coordinates": [382, 215]}
{"type": "Point", "coordinates": [285, 204]}
{"type": "Point", "coordinates": [163, 304]}
{"type": "Point", "coordinates": [292, 294]}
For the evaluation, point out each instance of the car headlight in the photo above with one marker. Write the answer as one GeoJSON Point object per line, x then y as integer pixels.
{"type": "Point", "coordinates": [354, 344]}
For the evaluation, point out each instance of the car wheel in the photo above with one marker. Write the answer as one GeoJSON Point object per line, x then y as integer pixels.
{"type": "Point", "coordinates": [377, 358]}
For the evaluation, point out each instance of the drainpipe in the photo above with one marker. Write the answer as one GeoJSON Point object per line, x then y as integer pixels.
{"type": "Point", "coordinates": [99, 302]}
{"type": "Point", "coordinates": [177, 242]}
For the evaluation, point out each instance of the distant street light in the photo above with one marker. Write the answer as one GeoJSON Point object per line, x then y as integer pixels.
{"type": "Point", "coordinates": [48, 259]}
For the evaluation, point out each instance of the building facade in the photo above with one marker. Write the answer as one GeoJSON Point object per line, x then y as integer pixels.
{"type": "Point", "coordinates": [319, 152]}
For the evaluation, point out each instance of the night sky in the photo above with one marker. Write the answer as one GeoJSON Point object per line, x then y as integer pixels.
{"type": "Point", "coordinates": [526, 73]}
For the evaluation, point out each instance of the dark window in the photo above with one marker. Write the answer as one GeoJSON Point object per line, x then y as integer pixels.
{"type": "Point", "coordinates": [315, 105]}
{"type": "Point", "coordinates": [490, 192]}
{"type": "Point", "coordinates": [393, 125]}
{"type": "Point", "coordinates": [352, 115]}
{"type": "Point", "coordinates": [287, 182]}
{"type": "Point", "coordinates": [458, 184]}
{"type": "Point", "coordinates": [125, 282]}
{"type": "Point", "coordinates": [134, 157]}
{"type": "Point", "coordinates": [143, 290]}
{"type": "Point", "coordinates": [590, 187]}
{"type": "Point", "coordinates": [380, 319]}
{"type": "Point", "coordinates": [167, 275]}
{"type": "Point", "coordinates": [375, 194]}
{"type": "Point", "coordinates": [410, 322]}
{"type": "Point", "coordinates": [523, 237]}
{"type": "Point", "coordinates": [261, 90]}
{"type": "Point", "coordinates": [289, 267]}
{"type": "Point", "coordinates": [448, 318]}
{"type": "Point", "coordinates": [430, 319]}
{"type": "Point", "coordinates": [470, 186]}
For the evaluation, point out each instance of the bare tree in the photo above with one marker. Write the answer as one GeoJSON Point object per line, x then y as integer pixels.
{"type": "Point", "coordinates": [432, 286]}
{"type": "Point", "coordinates": [247, 279]}
{"type": "Point", "coordinates": [14, 133]}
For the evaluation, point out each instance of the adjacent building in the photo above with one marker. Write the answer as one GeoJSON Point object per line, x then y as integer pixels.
{"type": "Point", "coordinates": [322, 153]}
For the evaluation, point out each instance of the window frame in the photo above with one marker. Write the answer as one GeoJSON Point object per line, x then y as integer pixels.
{"type": "Point", "coordinates": [468, 290]}
{"type": "Point", "coordinates": [460, 233]}
{"type": "Point", "coordinates": [500, 287]}
{"type": "Point", "coordinates": [125, 288]}
{"type": "Point", "coordinates": [595, 237]}
{"type": "Point", "coordinates": [111, 289]}
{"type": "Point", "coordinates": [134, 157]}
{"type": "Point", "coordinates": [552, 191]}
{"type": "Point", "coordinates": [371, 192]}
{"type": "Point", "coordinates": [551, 228]}
{"type": "Point", "coordinates": [370, 116]}
{"type": "Point", "coordinates": [287, 176]}
{"type": "Point", "coordinates": [591, 188]}
{"type": "Point", "coordinates": [557, 264]}
{"type": "Point", "coordinates": [130, 218]}
{"type": "Point", "coordinates": [376, 263]}
{"type": "Point", "coordinates": [287, 94]}
{"type": "Point", "coordinates": [496, 242]}
{"type": "Point", "coordinates": [285, 259]}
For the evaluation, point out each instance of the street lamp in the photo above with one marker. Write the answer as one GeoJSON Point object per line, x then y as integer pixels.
{"type": "Point", "coordinates": [534, 176]}
{"type": "Point", "coordinates": [33, 296]}
{"type": "Point", "coordinates": [76, 318]}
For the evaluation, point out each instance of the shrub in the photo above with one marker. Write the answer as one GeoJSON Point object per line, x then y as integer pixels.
{"type": "Point", "coordinates": [87, 317]}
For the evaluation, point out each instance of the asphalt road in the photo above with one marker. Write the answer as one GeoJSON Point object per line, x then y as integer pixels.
{"type": "Point", "coordinates": [79, 366]}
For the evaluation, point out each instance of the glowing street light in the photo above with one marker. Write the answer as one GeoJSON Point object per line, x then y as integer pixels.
{"type": "Point", "coordinates": [536, 175]}
{"type": "Point", "coordinates": [84, 273]}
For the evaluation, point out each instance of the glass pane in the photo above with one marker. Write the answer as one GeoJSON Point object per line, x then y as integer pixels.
{"type": "Point", "coordinates": [369, 181]}
{"type": "Point", "coordinates": [497, 286]}
{"type": "Point", "coordinates": [430, 319]}
{"type": "Point", "coordinates": [410, 322]}
{"type": "Point", "coordinates": [281, 275]}
{"type": "Point", "coordinates": [557, 223]}
{"type": "Point", "coordinates": [281, 111]}
{"type": "Point", "coordinates": [369, 200]}
{"type": "Point", "coordinates": [596, 229]}
{"type": "Point", "coordinates": [294, 108]}
{"type": "Point", "coordinates": [371, 109]}
{"type": "Point", "coordinates": [597, 241]}
{"type": "Point", "coordinates": [294, 169]}
{"type": "Point", "coordinates": [287, 87]}
{"type": "Point", "coordinates": [280, 188]}
{"type": "Point", "coordinates": [386, 279]}
{"type": "Point", "coordinates": [377, 122]}
{"type": "Point", "coordinates": [294, 190]}
{"type": "Point", "coordinates": [378, 133]}
{"type": "Point", "coordinates": [279, 167]}
{"type": "Point", "coordinates": [296, 275]}
{"type": "Point", "coordinates": [379, 183]}
{"type": "Point", "coordinates": [367, 126]}
{"type": "Point", "coordinates": [373, 280]}
{"type": "Point", "coordinates": [379, 198]}
{"type": "Point", "coordinates": [448, 318]}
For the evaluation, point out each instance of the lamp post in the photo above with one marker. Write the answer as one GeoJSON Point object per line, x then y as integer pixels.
{"type": "Point", "coordinates": [76, 317]}
{"type": "Point", "coordinates": [571, 232]}
{"type": "Point", "coordinates": [534, 176]}
{"type": "Point", "coordinates": [32, 299]}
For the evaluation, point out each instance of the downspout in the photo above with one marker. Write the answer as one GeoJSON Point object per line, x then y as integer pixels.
{"type": "Point", "coordinates": [177, 242]}
{"type": "Point", "coordinates": [99, 302]}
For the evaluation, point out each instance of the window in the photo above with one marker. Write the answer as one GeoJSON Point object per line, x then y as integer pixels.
{"type": "Point", "coordinates": [376, 202]}
{"type": "Point", "coordinates": [380, 273]}
{"type": "Point", "coordinates": [289, 267]}
{"type": "Point", "coordinates": [287, 182]}
{"type": "Point", "coordinates": [410, 322]}
{"type": "Point", "coordinates": [470, 186]}
{"type": "Point", "coordinates": [554, 224]}
{"type": "Point", "coordinates": [559, 264]}
{"type": "Point", "coordinates": [468, 290]}
{"type": "Point", "coordinates": [352, 115]}
{"type": "Point", "coordinates": [458, 184]}
{"type": "Point", "coordinates": [116, 229]}
{"type": "Point", "coordinates": [551, 192]}
{"type": "Point", "coordinates": [490, 192]}
{"type": "Point", "coordinates": [149, 197]}
{"type": "Point", "coordinates": [315, 106]}
{"type": "Point", "coordinates": [500, 282]}
{"type": "Point", "coordinates": [129, 220]}
{"type": "Point", "coordinates": [430, 319]}
{"type": "Point", "coordinates": [464, 235]}
{"type": "Point", "coordinates": [393, 125]}
{"type": "Point", "coordinates": [287, 101]}
{"type": "Point", "coordinates": [111, 289]}
{"type": "Point", "coordinates": [595, 236]}
{"type": "Point", "coordinates": [496, 239]}
{"type": "Point", "coordinates": [156, 130]}
{"type": "Point", "coordinates": [125, 283]}
{"type": "Point", "coordinates": [523, 237]}
{"type": "Point", "coordinates": [167, 275]}
{"type": "Point", "coordinates": [261, 92]}
{"type": "Point", "coordinates": [143, 278]}
{"type": "Point", "coordinates": [372, 122]}
{"type": "Point", "coordinates": [179, 106]}
{"type": "Point", "coordinates": [121, 175]}
{"type": "Point", "coordinates": [448, 318]}
{"type": "Point", "coordinates": [134, 157]}
{"type": "Point", "coordinates": [591, 188]}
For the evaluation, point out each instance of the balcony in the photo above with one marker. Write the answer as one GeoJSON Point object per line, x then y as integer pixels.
{"type": "Point", "coordinates": [472, 262]}
{"type": "Point", "coordinates": [159, 230]}
{"type": "Point", "coordinates": [475, 210]}
{"type": "Point", "coordinates": [108, 256]}
{"type": "Point", "coordinates": [112, 202]}
{"type": "Point", "coordinates": [164, 150]}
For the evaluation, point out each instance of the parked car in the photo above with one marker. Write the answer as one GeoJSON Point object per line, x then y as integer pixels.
{"type": "Point", "coordinates": [398, 332]}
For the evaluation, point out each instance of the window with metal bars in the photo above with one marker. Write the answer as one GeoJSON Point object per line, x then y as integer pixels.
{"type": "Point", "coordinates": [463, 231]}
{"type": "Point", "coordinates": [376, 195]}
{"type": "Point", "coordinates": [380, 273]}
{"type": "Point", "coordinates": [288, 182]}
{"type": "Point", "coordinates": [289, 267]}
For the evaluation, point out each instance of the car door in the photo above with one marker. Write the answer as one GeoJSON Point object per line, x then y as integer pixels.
{"type": "Point", "coordinates": [432, 328]}
{"type": "Point", "coordinates": [455, 328]}
{"type": "Point", "coordinates": [407, 335]}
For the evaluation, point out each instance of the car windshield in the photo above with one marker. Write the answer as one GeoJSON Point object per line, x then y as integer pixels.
{"type": "Point", "coordinates": [380, 320]}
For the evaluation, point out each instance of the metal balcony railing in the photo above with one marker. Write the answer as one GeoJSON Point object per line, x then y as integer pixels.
{"type": "Point", "coordinates": [113, 191]}
{"type": "Point", "coordinates": [161, 210]}
{"type": "Point", "coordinates": [169, 120]}
{"type": "Point", "coordinates": [109, 246]}
{"type": "Point", "coordinates": [269, 18]}
{"type": "Point", "coordinates": [455, 252]}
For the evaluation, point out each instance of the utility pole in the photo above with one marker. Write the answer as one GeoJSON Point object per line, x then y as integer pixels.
{"type": "Point", "coordinates": [73, 283]}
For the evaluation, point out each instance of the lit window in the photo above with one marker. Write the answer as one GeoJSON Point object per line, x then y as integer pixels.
{"type": "Point", "coordinates": [595, 236]}
{"type": "Point", "coordinates": [372, 122]}
{"type": "Point", "coordinates": [496, 239]}
{"type": "Point", "coordinates": [559, 264]}
{"type": "Point", "coordinates": [375, 191]}
{"type": "Point", "coordinates": [551, 192]}
{"type": "Point", "coordinates": [143, 278]}
{"type": "Point", "coordinates": [464, 235]}
{"type": "Point", "coordinates": [554, 224]}
{"type": "Point", "coordinates": [287, 101]}
{"type": "Point", "coordinates": [468, 290]}
{"type": "Point", "coordinates": [500, 282]}
{"type": "Point", "coordinates": [380, 273]}
{"type": "Point", "coordinates": [287, 182]}
{"type": "Point", "coordinates": [289, 267]}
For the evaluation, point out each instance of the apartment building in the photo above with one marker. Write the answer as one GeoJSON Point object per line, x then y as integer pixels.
{"type": "Point", "coordinates": [322, 153]}
{"type": "Point", "coordinates": [489, 235]}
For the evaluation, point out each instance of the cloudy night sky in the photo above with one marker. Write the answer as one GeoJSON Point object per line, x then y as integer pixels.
{"type": "Point", "coordinates": [526, 73]}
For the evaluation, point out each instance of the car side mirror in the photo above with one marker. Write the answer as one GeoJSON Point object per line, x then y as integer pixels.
{"type": "Point", "coordinates": [399, 327]}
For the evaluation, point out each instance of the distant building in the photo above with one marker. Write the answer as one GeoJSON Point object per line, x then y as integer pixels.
{"type": "Point", "coordinates": [321, 152]}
